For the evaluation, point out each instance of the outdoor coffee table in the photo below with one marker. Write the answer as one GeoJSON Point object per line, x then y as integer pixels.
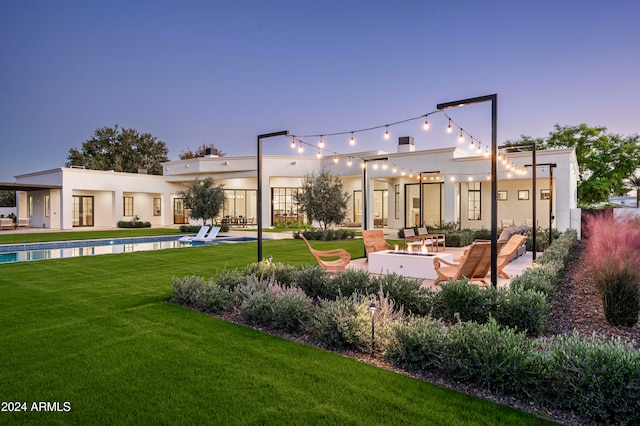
{"type": "Point", "coordinates": [414, 265]}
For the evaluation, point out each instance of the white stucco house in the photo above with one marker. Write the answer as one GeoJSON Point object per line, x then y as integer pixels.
{"type": "Point", "coordinates": [403, 188]}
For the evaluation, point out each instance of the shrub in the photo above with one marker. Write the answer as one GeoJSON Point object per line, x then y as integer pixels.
{"type": "Point", "coordinates": [280, 272]}
{"type": "Point", "coordinates": [191, 229]}
{"type": "Point", "coordinates": [610, 261]}
{"type": "Point", "coordinates": [267, 303]}
{"type": "Point", "coordinates": [405, 292]}
{"type": "Point", "coordinates": [204, 295]}
{"type": "Point", "coordinates": [314, 281]}
{"type": "Point", "coordinates": [330, 235]}
{"type": "Point", "coordinates": [597, 377]}
{"type": "Point", "coordinates": [537, 278]}
{"type": "Point", "coordinates": [351, 282]}
{"type": "Point", "coordinates": [133, 224]}
{"type": "Point", "coordinates": [501, 359]}
{"type": "Point", "coordinates": [224, 227]}
{"type": "Point", "coordinates": [230, 279]}
{"type": "Point", "coordinates": [418, 345]}
{"type": "Point", "coordinates": [464, 298]}
{"type": "Point", "coordinates": [343, 323]}
{"type": "Point", "coordinates": [525, 310]}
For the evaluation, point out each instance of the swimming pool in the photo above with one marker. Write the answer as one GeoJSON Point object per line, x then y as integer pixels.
{"type": "Point", "coordinates": [11, 253]}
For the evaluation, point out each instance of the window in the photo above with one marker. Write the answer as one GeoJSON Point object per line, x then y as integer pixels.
{"type": "Point", "coordinates": [127, 206]}
{"type": "Point", "coordinates": [157, 206]}
{"type": "Point", "coordinates": [474, 200]}
{"type": "Point", "coordinates": [30, 206]}
{"type": "Point", "coordinates": [284, 205]}
{"type": "Point", "coordinates": [47, 204]}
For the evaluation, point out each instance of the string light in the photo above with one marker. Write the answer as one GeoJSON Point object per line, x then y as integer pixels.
{"type": "Point", "coordinates": [386, 133]}
{"type": "Point", "coordinates": [461, 137]}
{"type": "Point", "coordinates": [300, 148]}
{"type": "Point", "coordinates": [363, 164]}
{"type": "Point", "coordinates": [349, 162]}
{"type": "Point", "coordinates": [394, 169]}
{"type": "Point", "coordinates": [449, 129]}
{"type": "Point", "coordinates": [425, 126]}
{"type": "Point", "coordinates": [293, 143]}
{"type": "Point", "coordinates": [321, 143]}
{"type": "Point", "coordinates": [384, 165]}
{"type": "Point", "coordinates": [403, 172]}
{"type": "Point", "coordinates": [319, 154]}
{"type": "Point", "coordinates": [353, 140]}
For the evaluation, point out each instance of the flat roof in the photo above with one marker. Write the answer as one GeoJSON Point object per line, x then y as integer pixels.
{"type": "Point", "coordinates": [8, 186]}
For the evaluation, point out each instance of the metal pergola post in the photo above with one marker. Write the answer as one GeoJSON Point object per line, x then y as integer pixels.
{"type": "Point", "coordinates": [494, 172]}
{"type": "Point", "coordinates": [259, 198]}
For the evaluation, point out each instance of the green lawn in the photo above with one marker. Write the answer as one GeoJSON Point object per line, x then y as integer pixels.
{"type": "Point", "coordinates": [97, 332]}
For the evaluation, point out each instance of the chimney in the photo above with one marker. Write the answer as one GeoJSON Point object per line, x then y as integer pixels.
{"type": "Point", "coordinates": [405, 144]}
{"type": "Point", "coordinates": [208, 154]}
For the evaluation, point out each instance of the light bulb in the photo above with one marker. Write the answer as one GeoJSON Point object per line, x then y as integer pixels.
{"type": "Point", "coordinates": [353, 140]}
{"type": "Point", "coordinates": [426, 124]}
{"type": "Point", "coordinates": [394, 169]}
{"type": "Point", "coordinates": [471, 144]}
{"type": "Point", "coordinates": [403, 172]}
{"type": "Point", "coordinates": [452, 178]}
{"type": "Point", "coordinates": [349, 162]}
{"type": "Point", "coordinates": [509, 175]}
{"type": "Point", "coordinates": [411, 174]}
{"type": "Point", "coordinates": [461, 137]}
{"type": "Point", "coordinates": [470, 178]}
{"type": "Point", "coordinates": [293, 143]}
{"type": "Point", "coordinates": [449, 129]}
{"type": "Point", "coordinates": [486, 152]}
{"type": "Point", "coordinates": [321, 143]}
{"type": "Point", "coordinates": [335, 160]}
{"type": "Point", "coordinates": [319, 154]}
{"type": "Point", "coordinates": [386, 133]}
{"type": "Point", "coordinates": [300, 148]}
{"type": "Point", "coordinates": [363, 164]}
{"type": "Point", "coordinates": [375, 166]}
{"type": "Point", "coordinates": [384, 165]}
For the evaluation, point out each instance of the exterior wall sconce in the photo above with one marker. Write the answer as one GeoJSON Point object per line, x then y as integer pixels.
{"type": "Point", "coordinates": [293, 163]}
{"type": "Point", "coordinates": [226, 163]}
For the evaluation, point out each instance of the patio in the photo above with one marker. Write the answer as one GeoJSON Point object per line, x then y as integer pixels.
{"type": "Point", "coordinates": [514, 268]}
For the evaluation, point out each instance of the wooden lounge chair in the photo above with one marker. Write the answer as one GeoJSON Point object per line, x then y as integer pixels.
{"type": "Point", "coordinates": [339, 264]}
{"type": "Point", "coordinates": [23, 223]}
{"type": "Point", "coordinates": [374, 240]}
{"type": "Point", "coordinates": [509, 251]}
{"type": "Point", "coordinates": [474, 264]}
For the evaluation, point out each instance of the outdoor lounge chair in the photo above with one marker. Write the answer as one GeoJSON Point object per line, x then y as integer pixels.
{"type": "Point", "coordinates": [23, 223]}
{"type": "Point", "coordinates": [410, 238]}
{"type": "Point", "coordinates": [474, 264]}
{"type": "Point", "coordinates": [374, 240]}
{"type": "Point", "coordinates": [201, 233]}
{"type": "Point", "coordinates": [437, 240]}
{"type": "Point", "coordinates": [339, 264]}
{"type": "Point", "coordinates": [6, 223]}
{"type": "Point", "coordinates": [509, 251]}
{"type": "Point", "coordinates": [208, 238]}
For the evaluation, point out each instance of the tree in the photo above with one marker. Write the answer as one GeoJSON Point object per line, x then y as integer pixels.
{"type": "Point", "coordinates": [7, 198]}
{"type": "Point", "coordinates": [121, 150]}
{"type": "Point", "coordinates": [323, 199]}
{"type": "Point", "coordinates": [634, 184]}
{"type": "Point", "coordinates": [205, 199]}
{"type": "Point", "coordinates": [605, 160]}
{"type": "Point", "coordinates": [201, 151]}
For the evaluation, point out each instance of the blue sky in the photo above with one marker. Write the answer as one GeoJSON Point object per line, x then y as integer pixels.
{"type": "Point", "coordinates": [222, 72]}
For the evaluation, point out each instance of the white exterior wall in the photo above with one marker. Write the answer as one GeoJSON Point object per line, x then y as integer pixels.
{"type": "Point", "coordinates": [451, 166]}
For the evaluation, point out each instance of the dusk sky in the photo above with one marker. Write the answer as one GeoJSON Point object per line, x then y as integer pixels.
{"type": "Point", "coordinates": [222, 72]}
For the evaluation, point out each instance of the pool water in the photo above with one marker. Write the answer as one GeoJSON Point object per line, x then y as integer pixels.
{"type": "Point", "coordinates": [42, 251]}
